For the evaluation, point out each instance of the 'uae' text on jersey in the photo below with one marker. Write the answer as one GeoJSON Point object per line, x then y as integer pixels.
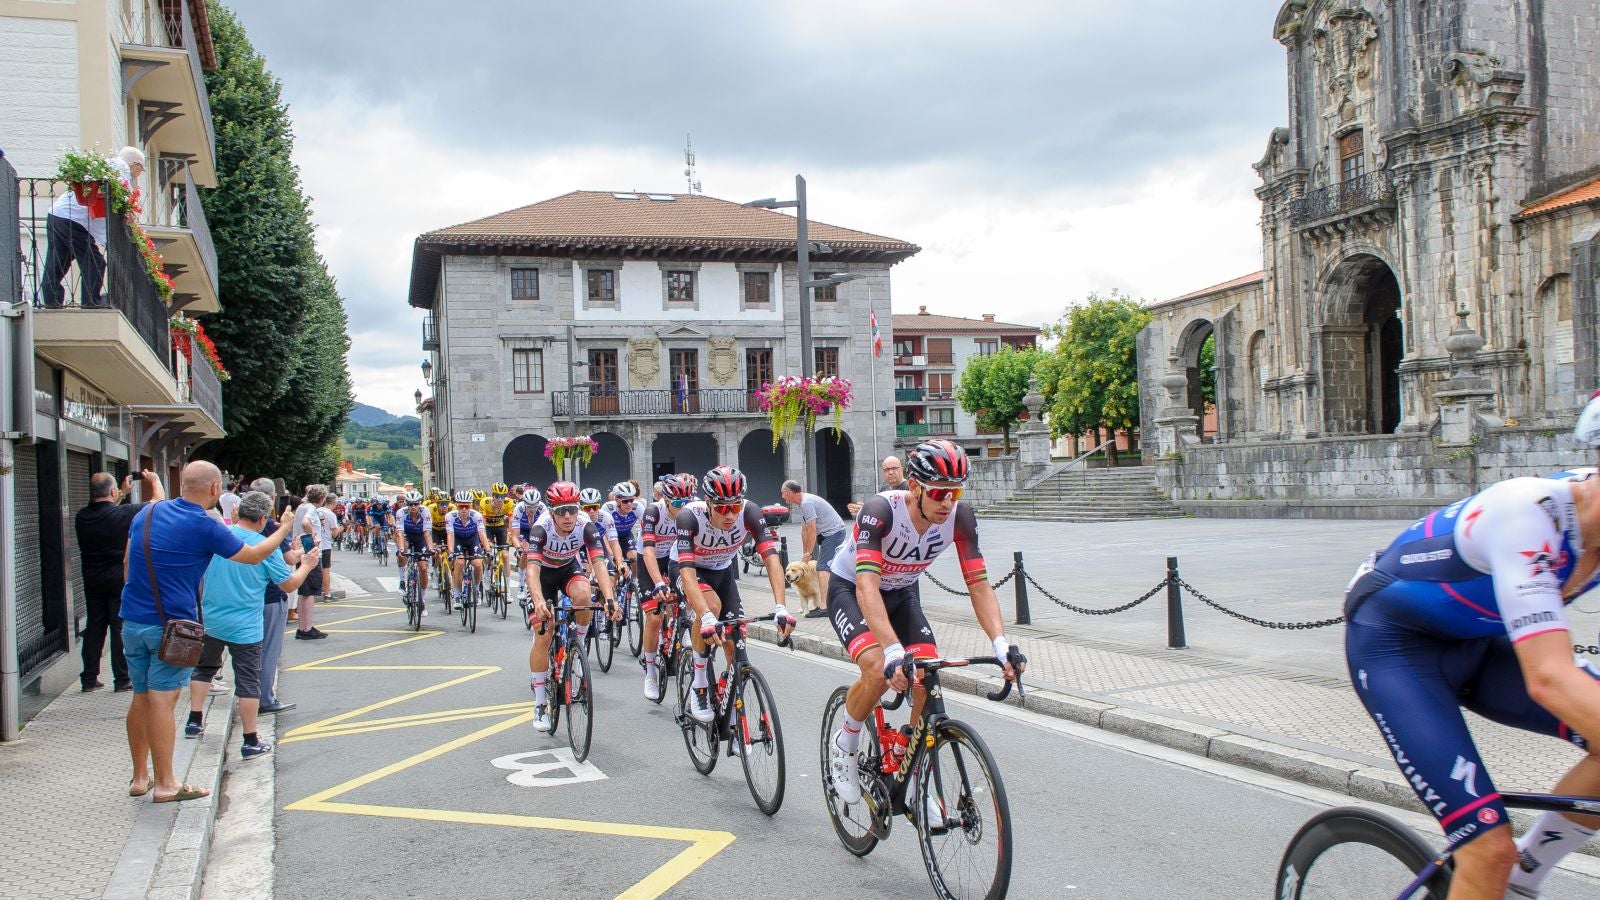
{"type": "Point", "coordinates": [705, 546]}
{"type": "Point", "coordinates": [886, 544]}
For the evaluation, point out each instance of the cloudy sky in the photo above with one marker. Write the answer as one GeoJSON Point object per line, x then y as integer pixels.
{"type": "Point", "coordinates": [1037, 150]}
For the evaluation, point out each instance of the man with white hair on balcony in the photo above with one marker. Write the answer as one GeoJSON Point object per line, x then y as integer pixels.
{"type": "Point", "coordinates": [76, 236]}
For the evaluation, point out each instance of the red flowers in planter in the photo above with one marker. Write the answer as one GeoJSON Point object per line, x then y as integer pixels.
{"type": "Point", "coordinates": [190, 332]}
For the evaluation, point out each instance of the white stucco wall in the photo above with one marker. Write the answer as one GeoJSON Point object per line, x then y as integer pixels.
{"type": "Point", "coordinates": [39, 98]}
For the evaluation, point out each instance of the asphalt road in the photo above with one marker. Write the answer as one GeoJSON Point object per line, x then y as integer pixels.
{"type": "Point", "coordinates": [410, 768]}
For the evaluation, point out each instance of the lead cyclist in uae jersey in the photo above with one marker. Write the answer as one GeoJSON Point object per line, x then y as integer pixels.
{"type": "Point", "coordinates": [1465, 609]}
{"type": "Point", "coordinates": [873, 601]}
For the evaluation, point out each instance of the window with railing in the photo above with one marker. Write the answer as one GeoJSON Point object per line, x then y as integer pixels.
{"type": "Point", "coordinates": [940, 352]}
{"type": "Point", "coordinates": [941, 385]}
{"type": "Point", "coordinates": [1352, 163]}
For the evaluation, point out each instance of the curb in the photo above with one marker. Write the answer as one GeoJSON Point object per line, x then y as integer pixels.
{"type": "Point", "coordinates": [1353, 779]}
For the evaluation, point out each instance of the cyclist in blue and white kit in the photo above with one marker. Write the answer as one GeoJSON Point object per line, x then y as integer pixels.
{"type": "Point", "coordinates": [623, 508]}
{"type": "Point", "coordinates": [1464, 609]}
{"type": "Point", "coordinates": [412, 532]}
{"type": "Point", "coordinates": [465, 535]}
{"type": "Point", "coordinates": [380, 523]}
{"type": "Point", "coordinates": [528, 512]}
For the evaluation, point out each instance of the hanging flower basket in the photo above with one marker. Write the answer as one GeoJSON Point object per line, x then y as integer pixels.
{"type": "Point", "coordinates": [89, 174]}
{"type": "Point", "coordinates": [580, 447]}
{"type": "Point", "coordinates": [188, 333]}
{"type": "Point", "coordinates": [791, 400]}
{"type": "Point", "coordinates": [91, 197]}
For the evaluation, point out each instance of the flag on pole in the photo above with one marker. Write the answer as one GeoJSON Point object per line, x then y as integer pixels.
{"type": "Point", "coordinates": [683, 392]}
{"type": "Point", "coordinates": [877, 339]}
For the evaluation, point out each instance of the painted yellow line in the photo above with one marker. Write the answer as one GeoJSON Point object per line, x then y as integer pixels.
{"type": "Point", "coordinates": [449, 715]}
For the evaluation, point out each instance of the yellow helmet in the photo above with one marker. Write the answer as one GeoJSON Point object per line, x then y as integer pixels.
{"type": "Point", "coordinates": [499, 489]}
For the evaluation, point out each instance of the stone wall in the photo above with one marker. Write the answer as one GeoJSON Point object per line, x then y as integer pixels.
{"type": "Point", "coordinates": [993, 479]}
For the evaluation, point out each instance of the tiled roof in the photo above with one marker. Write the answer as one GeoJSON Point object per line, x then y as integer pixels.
{"type": "Point", "coordinates": [930, 322]}
{"type": "Point", "coordinates": [1585, 192]}
{"type": "Point", "coordinates": [602, 216]}
{"type": "Point", "coordinates": [1241, 281]}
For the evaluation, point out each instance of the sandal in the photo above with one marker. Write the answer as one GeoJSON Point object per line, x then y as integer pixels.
{"type": "Point", "coordinates": [136, 792]}
{"type": "Point", "coordinates": [185, 792]}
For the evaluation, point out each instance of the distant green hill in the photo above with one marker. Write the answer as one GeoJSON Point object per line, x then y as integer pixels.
{"type": "Point", "coordinates": [393, 448]}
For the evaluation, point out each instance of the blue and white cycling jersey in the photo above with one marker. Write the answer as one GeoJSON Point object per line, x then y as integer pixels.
{"type": "Point", "coordinates": [624, 522]}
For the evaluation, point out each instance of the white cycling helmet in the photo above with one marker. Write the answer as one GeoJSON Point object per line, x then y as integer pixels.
{"type": "Point", "coordinates": [1588, 430]}
{"type": "Point", "coordinates": [465, 497]}
{"type": "Point", "coordinates": [413, 497]}
{"type": "Point", "coordinates": [624, 490]}
{"type": "Point", "coordinates": [589, 497]}
{"type": "Point", "coordinates": [532, 497]}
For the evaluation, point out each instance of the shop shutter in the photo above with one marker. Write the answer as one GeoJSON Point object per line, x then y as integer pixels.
{"type": "Point", "coordinates": [79, 468]}
{"type": "Point", "coordinates": [30, 589]}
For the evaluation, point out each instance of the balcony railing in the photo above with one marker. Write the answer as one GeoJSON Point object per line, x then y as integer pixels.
{"type": "Point", "coordinates": [179, 207]}
{"type": "Point", "coordinates": [146, 25]}
{"type": "Point", "coordinates": [908, 395]}
{"type": "Point", "coordinates": [430, 333]}
{"type": "Point", "coordinates": [603, 403]}
{"type": "Point", "coordinates": [129, 289]}
{"type": "Point", "coordinates": [197, 381]}
{"type": "Point", "coordinates": [1371, 189]}
{"type": "Point", "coordinates": [914, 430]}
{"type": "Point", "coordinates": [942, 427]}
{"type": "Point", "coordinates": [941, 359]}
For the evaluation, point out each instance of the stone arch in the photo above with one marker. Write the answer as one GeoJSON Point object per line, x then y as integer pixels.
{"type": "Point", "coordinates": [762, 465]}
{"type": "Point", "coordinates": [1553, 307]}
{"type": "Point", "coordinates": [1255, 356]}
{"type": "Point", "coordinates": [612, 463]}
{"type": "Point", "coordinates": [1361, 342]}
{"type": "Point", "coordinates": [674, 452]}
{"type": "Point", "coordinates": [835, 458]}
{"type": "Point", "coordinates": [523, 461]}
{"type": "Point", "coordinates": [1190, 347]}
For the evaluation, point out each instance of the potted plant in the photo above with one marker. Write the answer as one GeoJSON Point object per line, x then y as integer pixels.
{"type": "Point", "coordinates": [791, 399]}
{"type": "Point", "coordinates": [188, 334]}
{"type": "Point", "coordinates": [581, 447]}
{"type": "Point", "coordinates": [88, 174]}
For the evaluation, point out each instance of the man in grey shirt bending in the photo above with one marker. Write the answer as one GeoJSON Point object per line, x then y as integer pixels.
{"type": "Point", "coordinates": [821, 533]}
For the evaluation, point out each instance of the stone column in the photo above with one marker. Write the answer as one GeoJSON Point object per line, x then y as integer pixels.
{"type": "Point", "coordinates": [1177, 426]}
{"type": "Point", "coordinates": [1467, 399]}
{"type": "Point", "coordinates": [1033, 440]}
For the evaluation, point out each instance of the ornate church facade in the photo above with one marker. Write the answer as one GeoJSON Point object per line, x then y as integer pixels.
{"type": "Point", "coordinates": [1430, 224]}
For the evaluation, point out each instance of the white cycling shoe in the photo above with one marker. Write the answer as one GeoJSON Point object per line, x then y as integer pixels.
{"type": "Point", "coordinates": [652, 687]}
{"type": "Point", "coordinates": [541, 717]}
{"type": "Point", "coordinates": [933, 814]}
{"type": "Point", "coordinates": [842, 773]}
{"type": "Point", "coordinates": [700, 705]}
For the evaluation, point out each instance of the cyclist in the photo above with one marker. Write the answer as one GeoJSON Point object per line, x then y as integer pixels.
{"type": "Point", "coordinates": [358, 518]}
{"type": "Point", "coordinates": [438, 508]}
{"type": "Point", "coordinates": [497, 510]}
{"type": "Point", "coordinates": [411, 533]}
{"type": "Point", "coordinates": [527, 513]}
{"type": "Point", "coordinates": [658, 535]}
{"type": "Point", "coordinates": [555, 542]}
{"type": "Point", "coordinates": [465, 535]}
{"type": "Point", "coordinates": [623, 509]}
{"type": "Point", "coordinates": [378, 517]}
{"type": "Point", "coordinates": [590, 501]}
{"type": "Point", "coordinates": [710, 533]}
{"type": "Point", "coordinates": [1465, 608]}
{"type": "Point", "coordinates": [873, 597]}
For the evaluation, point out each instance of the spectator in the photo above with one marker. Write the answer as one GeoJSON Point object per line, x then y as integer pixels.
{"type": "Point", "coordinates": [275, 612]}
{"type": "Point", "coordinates": [233, 593]}
{"type": "Point", "coordinates": [76, 237]}
{"type": "Point", "coordinates": [181, 541]}
{"type": "Point", "coordinates": [307, 529]}
{"type": "Point", "coordinates": [821, 533]}
{"type": "Point", "coordinates": [894, 479]}
{"type": "Point", "coordinates": [102, 528]}
{"type": "Point", "coordinates": [291, 502]}
{"type": "Point", "coordinates": [329, 532]}
{"type": "Point", "coordinates": [229, 503]}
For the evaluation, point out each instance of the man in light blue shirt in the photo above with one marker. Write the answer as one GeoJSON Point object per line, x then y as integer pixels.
{"type": "Point", "coordinates": [233, 593]}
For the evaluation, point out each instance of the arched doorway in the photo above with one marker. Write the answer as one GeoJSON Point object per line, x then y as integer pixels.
{"type": "Point", "coordinates": [835, 457]}
{"type": "Point", "coordinates": [523, 462]}
{"type": "Point", "coordinates": [612, 462]}
{"type": "Point", "coordinates": [762, 465]}
{"type": "Point", "coordinates": [1386, 346]}
{"type": "Point", "coordinates": [1198, 355]}
{"type": "Point", "coordinates": [1361, 344]}
{"type": "Point", "coordinates": [692, 453]}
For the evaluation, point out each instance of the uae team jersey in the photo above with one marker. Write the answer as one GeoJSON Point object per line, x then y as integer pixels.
{"type": "Point", "coordinates": [554, 550]}
{"type": "Point", "coordinates": [1496, 562]}
{"type": "Point", "coordinates": [658, 529]}
{"type": "Point", "coordinates": [705, 546]}
{"type": "Point", "coordinates": [885, 543]}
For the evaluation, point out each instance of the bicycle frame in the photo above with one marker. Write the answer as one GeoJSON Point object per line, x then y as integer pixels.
{"type": "Point", "coordinates": [1556, 803]}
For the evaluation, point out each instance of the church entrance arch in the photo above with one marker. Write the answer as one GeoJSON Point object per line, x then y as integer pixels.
{"type": "Point", "coordinates": [611, 463]}
{"type": "Point", "coordinates": [1363, 344]}
{"type": "Point", "coordinates": [1197, 350]}
{"type": "Point", "coordinates": [762, 466]}
{"type": "Point", "coordinates": [835, 457]}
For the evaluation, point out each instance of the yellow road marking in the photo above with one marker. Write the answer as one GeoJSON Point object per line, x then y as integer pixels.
{"type": "Point", "coordinates": [703, 844]}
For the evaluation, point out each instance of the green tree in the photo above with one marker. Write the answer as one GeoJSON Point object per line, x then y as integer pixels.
{"type": "Point", "coordinates": [1094, 378]}
{"type": "Point", "coordinates": [992, 387]}
{"type": "Point", "coordinates": [1208, 370]}
{"type": "Point", "coordinates": [395, 468]}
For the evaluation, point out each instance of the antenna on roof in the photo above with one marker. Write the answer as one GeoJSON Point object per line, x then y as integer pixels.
{"type": "Point", "coordinates": [688, 163]}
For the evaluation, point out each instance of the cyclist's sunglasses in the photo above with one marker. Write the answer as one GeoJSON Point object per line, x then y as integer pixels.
{"type": "Point", "coordinates": [675, 504]}
{"type": "Point", "coordinates": [591, 508]}
{"type": "Point", "coordinates": [567, 510]}
{"type": "Point", "coordinates": [941, 494]}
{"type": "Point", "coordinates": [624, 501]}
{"type": "Point", "coordinates": [727, 507]}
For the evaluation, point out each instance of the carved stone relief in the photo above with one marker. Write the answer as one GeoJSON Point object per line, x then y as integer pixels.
{"type": "Point", "coordinates": [644, 361]}
{"type": "Point", "coordinates": [722, 361]}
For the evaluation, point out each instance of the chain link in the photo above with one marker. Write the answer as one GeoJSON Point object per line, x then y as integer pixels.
{"type": "Point", "coordinates": [1289, 626]}
{"type": "Point", "coordinates": [1093, 612]}
{"type": "Point", "coordinates": [945, 587]}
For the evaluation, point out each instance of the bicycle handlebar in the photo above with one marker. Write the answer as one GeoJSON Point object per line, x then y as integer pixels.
{"type": "Point", "coordinates": [1013, 656]}
{"type": "Point", "coordinates": [728, 621]}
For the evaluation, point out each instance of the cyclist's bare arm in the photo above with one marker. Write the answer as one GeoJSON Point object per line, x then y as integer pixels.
{"type": "Point", "coordinates": [1568, 692]}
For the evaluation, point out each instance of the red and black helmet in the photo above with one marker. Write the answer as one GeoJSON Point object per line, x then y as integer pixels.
{"type": "Point", "coordinates": [938, 460]}
{"type": "Point", "coordinates": [561, 493]}
{"type": "Point", "coordinates": [723, 483]}
{"type": "Point", "coordinates": [674, 487]}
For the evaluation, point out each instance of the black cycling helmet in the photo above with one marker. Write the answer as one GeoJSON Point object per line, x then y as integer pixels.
{"type": "Point", "coordinates": [723, 483]}
{"type": "Point", "coordinates": [938, 460]}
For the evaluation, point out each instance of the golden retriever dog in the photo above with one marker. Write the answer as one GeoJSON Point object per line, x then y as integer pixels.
{"type": "Point", "coordinates": [803, 575]}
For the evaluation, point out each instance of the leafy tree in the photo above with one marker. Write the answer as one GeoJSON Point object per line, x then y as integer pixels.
{"type": "Point", "coordinates": [1095, 376]}
{"type": "Point", "coordinates": [993, 386]}
{"type": "Point", "coordinates": [1208, 370]}
{"type": "Point", "coordinates": [395, 468]}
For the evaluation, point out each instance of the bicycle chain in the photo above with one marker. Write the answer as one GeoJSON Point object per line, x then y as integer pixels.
{"type": "Point", "coordinates": [1287, 626]}
{"type": "Point", "coordinates": [1093, 612]}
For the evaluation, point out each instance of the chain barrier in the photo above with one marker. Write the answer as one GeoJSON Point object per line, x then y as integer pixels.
{"type": "Point", "coordinates": [947, 588]}
{"type": "Point", "coordinates": [1094, 612]}
{"type": "Point", "coordinates": [1290, 626]}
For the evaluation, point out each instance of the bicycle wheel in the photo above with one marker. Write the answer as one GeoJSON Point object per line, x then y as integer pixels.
{"type": "Point", "coordinates": [605, 643]}
{"type": "Point", "coordinates": [969, 854]}
{"type": "Point", "coordinates": [701, 740]}
{"type": "Point", "coordinates": [475, 595]}
{"type": "Point", "coordinates": [558, 686]}
{"type": "Point", "coordinates": [760, 741]}
{"type": "Point", "coordinates": [633, 622]}
{"type": "Point", "coordinates": [855, 824]}
{"type": "Point", "coordinates": [503, 591]}
{"type": "Point", "coordinates": [1353, 852]}
{"type": "Point", "coordinates": [413, 600]}
{"type": "Point", "coordinates": [578, 699]}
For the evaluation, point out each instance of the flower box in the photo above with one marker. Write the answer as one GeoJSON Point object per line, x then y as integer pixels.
{"type": "Point", "coordinates": [91, 196]}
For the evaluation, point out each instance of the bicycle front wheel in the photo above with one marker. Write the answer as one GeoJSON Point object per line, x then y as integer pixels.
{"type": "Point", "coordinates": [962, 817]}
{"type": "Point", "coordinates": [760, 740]}
{"type": "Point", "coordinates": [854, 823]}
{"type": "Point", "coordinates": [633, 619]}
{"type": "Point", "coordinates": [413, 600]}
{"type": "Point", "coordinates": [1353, 852]}
{"type": "Point", "coordinates": [579, 698]}
{"type": "Point", "coordinates": [701, 740]}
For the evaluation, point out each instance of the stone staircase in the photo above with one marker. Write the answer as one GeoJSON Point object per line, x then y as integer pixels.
{"type": "Point", "coordinates": [1088, 495]}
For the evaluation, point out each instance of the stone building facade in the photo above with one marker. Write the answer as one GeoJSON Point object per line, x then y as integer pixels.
{"type": "Point", "coordinates": [647, 321]}
{"type": "Point", "coordinates": [1430, 232]}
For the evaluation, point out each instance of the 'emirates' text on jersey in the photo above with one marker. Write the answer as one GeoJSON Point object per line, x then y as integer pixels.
{"type": "Point", "coordinates": [705, 546]}
{"type": "Point", "coordinates": [885, 543]}
{"type": "Point", "coordinates": [556, 550]}
{"type": "Point", "coordinates": [658, 528]}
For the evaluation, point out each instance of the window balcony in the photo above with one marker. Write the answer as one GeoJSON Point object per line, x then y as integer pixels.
{"type": "Point", "coordinates": [1372, 193]}
{"type": "Point", "coordinates": [908, 395]}
{"type": "Point", "coordinates": [430, 333]}
{"type": "Point", "coordinates": [177, 225]}
{"type": "Point", "coordinates": [606, 404]}
{"type": "Point", "coordinates": [939, 429]}
{"type": "Point", "coordinates": [199, 400]}
{"type": "Point", "coordinates": [163, 77]}
{"type": "Point", "coordinates": [912, 431]}
{"type": "Point", "coordinates": [941, 359]}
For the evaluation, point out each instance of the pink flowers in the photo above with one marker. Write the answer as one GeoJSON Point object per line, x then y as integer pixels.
{"type": "Point", "coordinates": [790, 399]}
{"type": "Point", "coordinates": [559, 449]}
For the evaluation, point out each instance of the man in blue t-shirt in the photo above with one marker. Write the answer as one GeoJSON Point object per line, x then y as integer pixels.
{"type": "Point", "coordinates": [181, 541]}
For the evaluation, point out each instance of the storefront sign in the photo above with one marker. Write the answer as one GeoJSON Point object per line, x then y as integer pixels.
{"type": "Point", "coordinates": [87, 406]}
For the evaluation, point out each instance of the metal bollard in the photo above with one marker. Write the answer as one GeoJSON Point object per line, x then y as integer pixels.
{"type": "Point", "coordinates": [1023, 616]}
{"type": "Point", "coordinates": [783, 552]}
{"type": "Point", "coordinates": [1176, 639]}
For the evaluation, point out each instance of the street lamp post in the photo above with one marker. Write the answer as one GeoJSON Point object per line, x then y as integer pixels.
{"type": "Point", "coordinates": [802, 243]}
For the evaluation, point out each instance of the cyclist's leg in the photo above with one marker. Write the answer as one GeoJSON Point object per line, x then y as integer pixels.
{"type": "Point", "coordinates": [915, 634]}
{"type": "Point", "coordinates": [1410, 685]}
{"type": "Point", "coordinates": [577, 588]}
{"type": "Point", "coordinates": [725, 584]}
{"type": "Point", "coordinates": [550, 582]}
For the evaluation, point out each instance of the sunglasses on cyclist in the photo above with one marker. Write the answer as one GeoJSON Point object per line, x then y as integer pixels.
{"type": "Point", "coordinates": [565, 510]}
{"type": "Point", "coordinates": [676, 504]}
{"type": "Point", "coordinates": [726, 508]}
{"type": "Point", "coordinates": [941, 494]}
{"type": "Point", "coordinates": [591, 508]}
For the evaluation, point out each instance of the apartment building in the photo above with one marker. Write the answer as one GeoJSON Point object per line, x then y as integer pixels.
{"type": "Point", "coordinates": [930, 353]}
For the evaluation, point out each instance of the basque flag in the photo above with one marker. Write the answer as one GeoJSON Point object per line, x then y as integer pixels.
{"type": "Point", "coordinates": [877, 339]}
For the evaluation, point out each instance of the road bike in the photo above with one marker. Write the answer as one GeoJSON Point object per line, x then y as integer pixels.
{"type": "Point", "coordinates": [380, 545]}
{"type": "Point", "coordinates": [672, 640]}
{"type": "Point", "coordinates": [628, 597]}
{"type": "Point", "coordinates": [601, 637]}
{"type": "Point", "coordinates": [413, 587]}
{"type": "Point", "coordinates": [1351, 851]}
{"type": "Point", "coordinates": [441, 573]}
{"type": "Point", "coordinates": [570, 684]}
{"type": "Point", "coordinates": [947, 767]}
{"type": "Point", "coordinates": [495, 576]}
{"type": "Point", "coordinates": [472, 597]}
{"type": "Point", "coordinates": [743, 716]}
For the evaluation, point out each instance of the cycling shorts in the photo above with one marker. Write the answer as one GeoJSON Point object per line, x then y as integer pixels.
{"type": "Point", "coordinates": [1414, 686]}
{"type": "Point", "coordinates": [438, 537]}
{"type": "Point", "coordinates": [559, 578]}
{"type": "Point", "coordinates": [669, 574]}
{"type": "Point", "coordinates": [904, 606]}
{"type": "Point", "coordinates": [724, 583]}
{"type": "Point", "coordinates": [467, 545]}
{"type": "Point", "coordinates": [497, 533]}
